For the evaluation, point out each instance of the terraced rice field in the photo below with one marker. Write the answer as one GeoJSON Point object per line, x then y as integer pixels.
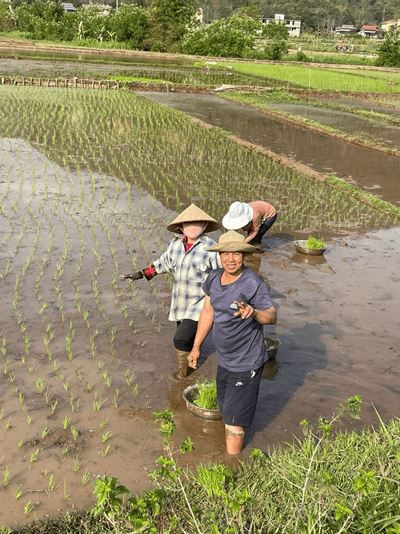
{"type": "Point", "coordinates": [88, 181]}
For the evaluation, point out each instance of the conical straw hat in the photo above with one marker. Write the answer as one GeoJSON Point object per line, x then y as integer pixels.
{"type": "Point", "coordinates": [233, 242]}
{"type": "Point", "coordinates": [193, 214]}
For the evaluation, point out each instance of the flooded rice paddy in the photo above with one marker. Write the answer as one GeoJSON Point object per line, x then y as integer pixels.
{"type": "Point", "coordinates": [367, 168]}
{"type": "Point", "coordinates": [346, 122]}
{"type": "Point", "coordinates": [174, 74]}
{"type": "Point", "coordinates": [86, 189]}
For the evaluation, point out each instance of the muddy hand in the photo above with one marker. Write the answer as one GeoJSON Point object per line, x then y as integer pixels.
{"type": "Point", "coordinates": [133, 276]}
{"type": "Point", "coordinates": [192, 358]}
{"type": "Point", "coordinates": [245, 311]}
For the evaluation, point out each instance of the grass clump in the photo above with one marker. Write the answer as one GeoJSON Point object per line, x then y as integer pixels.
{"type": "Point", "coordinates": [206, 397]}
{"type": "Point", "coordinates": [327, 481]}
{"type": "Point", "coordinates": [315, 243]}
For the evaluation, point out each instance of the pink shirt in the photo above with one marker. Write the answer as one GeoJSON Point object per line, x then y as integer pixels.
{"type": "Point", "coordinates": [261, 211]}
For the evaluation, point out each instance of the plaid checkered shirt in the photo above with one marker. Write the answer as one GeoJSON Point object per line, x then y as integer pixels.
{"type": "Point", "coordinates": [190, 269]}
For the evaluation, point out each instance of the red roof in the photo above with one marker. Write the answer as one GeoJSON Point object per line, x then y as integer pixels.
{"type": "Point", "coordinates": [370, 27]}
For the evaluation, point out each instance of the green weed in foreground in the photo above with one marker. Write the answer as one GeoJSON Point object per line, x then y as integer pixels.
{"type": "Point", "coordinates": [327, 481]}
{"type": "Point", "coordinates": [206, 396]}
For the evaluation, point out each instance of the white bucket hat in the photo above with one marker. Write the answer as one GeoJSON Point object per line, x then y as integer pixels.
{"type": "Point", "coordinates": [239, 215]}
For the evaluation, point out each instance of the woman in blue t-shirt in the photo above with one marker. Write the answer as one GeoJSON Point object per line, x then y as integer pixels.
{"type": "Point", "coordinates": [236, 305]}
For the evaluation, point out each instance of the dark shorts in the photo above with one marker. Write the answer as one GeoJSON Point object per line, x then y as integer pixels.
{"type": "Point", "coordinates": [237, 395]}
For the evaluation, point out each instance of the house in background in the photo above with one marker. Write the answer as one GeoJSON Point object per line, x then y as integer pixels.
{"type": "Point", "coordinates": [370, 30]}
{"type": "Point", "coordinates": [68, 7]}
{"type": "Point", "coordinates": [345, 29]}
{"type": "Point", "coordinates": [293, 26]}
{"type": "Point", "coordinates": [102, 9]}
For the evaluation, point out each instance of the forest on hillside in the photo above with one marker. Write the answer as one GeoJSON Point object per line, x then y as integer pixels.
{"type": "Point", "coordinates": [318, 15]}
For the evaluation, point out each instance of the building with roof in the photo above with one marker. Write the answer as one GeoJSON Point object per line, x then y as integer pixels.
{"type": "Point", "coordinates": [293, 26]}
{"type": "Point", "coordinates": [345, 29]}
{"type": "Point", "coordinates": [68, 7]}
{"type": "Point", "coordinates": [370, 30]}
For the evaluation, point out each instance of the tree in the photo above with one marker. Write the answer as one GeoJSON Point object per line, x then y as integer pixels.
{"type": "Point", "coordinates": [6, 19]}
{"type": "Point", "coordinates": [231, 37]}
{"type": "Point", "coordinates": [169, 23]}
{"type": "Point", "coordinates": [277, 36]}
{"type": "Point", "coordinates": [131, 24]}
{"type": "Point", "coordinates": [389, 51]}
{"type": "Point", "coordinates": [275, 31]}
{"type": "Point", "coordinates": [41, 19]}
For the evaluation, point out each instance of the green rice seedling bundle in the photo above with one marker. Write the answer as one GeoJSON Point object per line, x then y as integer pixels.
{"type": "Point", "coordinates": [315, 243]}
{"type": "Point", "coordinates": [206, 397]}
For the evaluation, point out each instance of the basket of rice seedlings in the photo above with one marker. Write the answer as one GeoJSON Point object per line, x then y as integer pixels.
{"type": "Point", "coordinates": [313, 246]}
{"type": "Point", "coordinates": [201, 400]}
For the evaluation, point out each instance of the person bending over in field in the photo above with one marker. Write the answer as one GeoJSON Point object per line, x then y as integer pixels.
{"type": "Point", "coordinates": [254, 218]}
{"type": "Point", "coordinates": [236, 306]}
{"type": "Point", "coordinates": [187, 257]}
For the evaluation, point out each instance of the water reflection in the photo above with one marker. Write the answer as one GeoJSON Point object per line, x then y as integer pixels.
{"type": "Point", "coordinates": [309, 260]}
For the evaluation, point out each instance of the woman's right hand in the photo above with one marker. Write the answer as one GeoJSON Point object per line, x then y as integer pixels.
{"type": "Point", "coordinates": [194, 355]}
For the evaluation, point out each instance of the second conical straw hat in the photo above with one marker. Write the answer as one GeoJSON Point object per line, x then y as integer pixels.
{"type": "Point", "coordinates": [192, 214]}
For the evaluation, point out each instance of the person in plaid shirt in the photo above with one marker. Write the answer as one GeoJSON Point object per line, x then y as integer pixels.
{"type": "Point", "coordinates": [189, 261]}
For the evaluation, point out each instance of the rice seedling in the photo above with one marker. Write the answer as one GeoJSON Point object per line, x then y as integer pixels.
{"type": "Point", "coordinates": [206, 395]}
{"type": "Point", "coordinates": [98, 402]}
{"type": "Point", "coordinates": [315, 243]}
{"type": "Point", "coordinates": [85, 477]}
{"type": "Point", "coordinates": [28, 507]}
{"type": "Point", "coordinates": [5, 477]}
{"type": "Point", "coordinates": [45, 432]}
{"type": "Point", "coordinates": [74, 403]}
{"type": "Point", "coordinates": [76, 464]}
{"type": "Point", "coordinates": [74, 432]}
{"type": "Point", "coordinates": [34, 456]}
{"type": "Point", "coordinates": [106, 436]}
{"type": "Point", "coordinates": [7, 424]}
{"type": "Point", "coordinates": [66, 422]}
{"type": "Point", "coordinates": [18, 493]}
{"type": "Point", "coordinates": [104, 451]}
{"type": "Point", "coordinates": [66, 496]}
{"type": "Point", "coordinates": [115, 401]}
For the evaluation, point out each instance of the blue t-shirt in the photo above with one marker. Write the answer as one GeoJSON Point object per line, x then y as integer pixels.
{"type": "Point", "coordinates": [239, 342]}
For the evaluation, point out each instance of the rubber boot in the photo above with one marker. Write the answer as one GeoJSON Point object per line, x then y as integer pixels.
{"type": "Point", "coordinates": [182, 366]}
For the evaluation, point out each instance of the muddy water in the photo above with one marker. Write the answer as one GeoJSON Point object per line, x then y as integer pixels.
{"type": "Point", "coordinates": [93, 55]}
{"type": "Point", "coordinates": [345, 122]}
{"type": "Point", "coordinates": [338, 323]}
{"type": "Point", "coordinates": [368, 168]}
